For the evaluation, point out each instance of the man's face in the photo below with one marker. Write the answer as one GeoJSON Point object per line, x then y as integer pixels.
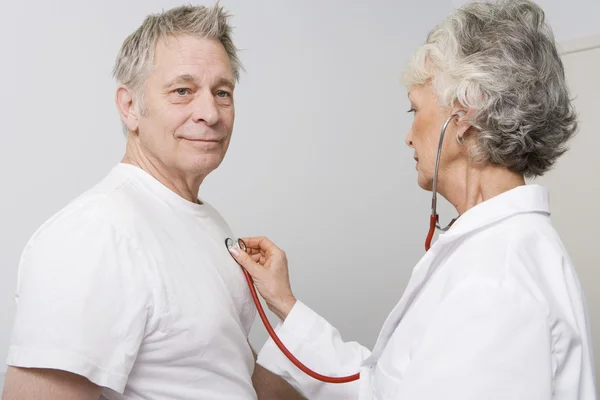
{"type": "Point", "coordinates": [188, 104]}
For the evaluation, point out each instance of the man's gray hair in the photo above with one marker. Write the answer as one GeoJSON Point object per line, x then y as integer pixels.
{"type": "Point", "coordinates": [500, 59]}
{"type": "Point", "coordinates": [136, 56]}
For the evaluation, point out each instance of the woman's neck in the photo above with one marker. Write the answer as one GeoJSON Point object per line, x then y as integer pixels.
{"type": "Point", "coordinates": [471, 185]}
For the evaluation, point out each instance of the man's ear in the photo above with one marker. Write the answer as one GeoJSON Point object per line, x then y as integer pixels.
{"type": "Point", "coordinates": [127, 110]}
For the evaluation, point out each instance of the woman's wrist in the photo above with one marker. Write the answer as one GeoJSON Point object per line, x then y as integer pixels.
{"type": "Point", "coordinates": [283, 307]}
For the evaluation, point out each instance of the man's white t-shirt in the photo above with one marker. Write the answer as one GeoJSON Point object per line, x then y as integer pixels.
{"type": "Point", "coordinates": [132, 287]}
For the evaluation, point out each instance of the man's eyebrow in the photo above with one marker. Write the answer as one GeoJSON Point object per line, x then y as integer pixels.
{"type": "Point", "coordinates": [188, 78]}
{"type": "Point", "coordinates": [184, 78]}
{"type": "Point", "coordinates": [224, 81]}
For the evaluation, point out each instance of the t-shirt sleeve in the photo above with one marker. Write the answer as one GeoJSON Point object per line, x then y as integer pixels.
{"type": "Point", "coordinates": [82, 302]}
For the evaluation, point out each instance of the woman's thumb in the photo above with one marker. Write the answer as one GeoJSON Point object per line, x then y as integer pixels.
{"type": "Point", "coordinates": [245, 261]}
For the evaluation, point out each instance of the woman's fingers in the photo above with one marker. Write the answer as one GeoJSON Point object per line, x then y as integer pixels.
{"type": "Point", "coordinates": [258, 258]}
{"type": "Point", "coordinates": [261, 244]}
{"type": "Point", "coordinates": [252, 250]}
{"type": "Point", "coordinates": [267, 264]}
{"type": "Point", "coordinates": [246, 261]}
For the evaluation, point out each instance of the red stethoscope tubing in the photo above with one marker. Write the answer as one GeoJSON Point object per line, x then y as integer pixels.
{"type": "Point", "coordinates": [288, 354]}
{"type": "Point", "coordinates": [284, 350]}
{"type": "Point", "coordinates": [433, 219]}
{"type": "Point", "coordinates": [261, 312]}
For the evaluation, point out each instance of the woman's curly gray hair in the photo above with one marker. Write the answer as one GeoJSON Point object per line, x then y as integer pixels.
{"type": "Point", "coordinates": [500, 60]}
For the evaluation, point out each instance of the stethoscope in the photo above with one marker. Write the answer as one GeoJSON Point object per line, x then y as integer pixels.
{"type": "Point", "coordinates": [230, 243]}
{"type": "Point", "coordinates": [433, 224]}
{"type": "Point", "coordinates": [434, 217]}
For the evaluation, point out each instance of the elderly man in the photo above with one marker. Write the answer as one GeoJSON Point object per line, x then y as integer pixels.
{"type": "Point", "coordinates": [129, 291]}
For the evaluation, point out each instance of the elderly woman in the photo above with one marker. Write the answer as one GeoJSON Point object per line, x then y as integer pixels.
{"type": "Point", "coordinates": [494, 309]}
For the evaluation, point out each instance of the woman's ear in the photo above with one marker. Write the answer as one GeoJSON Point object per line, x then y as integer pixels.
{"type": "Point", "coordinates": [463, 123]}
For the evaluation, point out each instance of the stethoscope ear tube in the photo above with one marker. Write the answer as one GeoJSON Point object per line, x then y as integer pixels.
{"type": "Point", "coordinates": [434, 217]}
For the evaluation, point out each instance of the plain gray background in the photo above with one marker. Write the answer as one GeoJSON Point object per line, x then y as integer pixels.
{"type": "Point", "coordinates": [317, 162]}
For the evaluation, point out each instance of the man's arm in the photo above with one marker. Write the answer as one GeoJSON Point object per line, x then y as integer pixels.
{"type": "Point", "coordinates": [48, 384]}
{"type": "Point", "coordinates": [269, 386]}
{"type": "Point", "coordinates": [79, 280]}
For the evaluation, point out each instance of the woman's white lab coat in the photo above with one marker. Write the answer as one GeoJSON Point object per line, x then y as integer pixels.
{"type": "Point", "coordinates": [494, 310]}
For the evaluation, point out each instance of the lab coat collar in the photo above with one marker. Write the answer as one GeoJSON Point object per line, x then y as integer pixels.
{"type": "Point", "coordinates": [530, 198]}
{"type": "Point", "coordinates": [523, 199]}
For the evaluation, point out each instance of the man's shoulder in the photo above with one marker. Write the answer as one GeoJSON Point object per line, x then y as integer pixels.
{"type": "Point", "coordinates": [111, 207]}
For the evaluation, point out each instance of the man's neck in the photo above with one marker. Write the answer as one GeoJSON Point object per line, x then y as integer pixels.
{"type": "Point", "coordinates": [186, 188]}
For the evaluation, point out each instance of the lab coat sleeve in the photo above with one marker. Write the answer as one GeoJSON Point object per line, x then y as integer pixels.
{"type": "Point", "coordinates": [488, 340]}
{"type": "Point", "coordinates": [318, 345]}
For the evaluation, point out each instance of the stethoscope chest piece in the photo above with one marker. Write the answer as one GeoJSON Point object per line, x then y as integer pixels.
{"type": "Point", "coordinates": [230, 244]}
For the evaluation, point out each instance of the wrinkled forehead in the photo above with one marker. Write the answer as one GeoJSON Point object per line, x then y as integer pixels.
{"type": "Point", "coordinates": [191, 56]}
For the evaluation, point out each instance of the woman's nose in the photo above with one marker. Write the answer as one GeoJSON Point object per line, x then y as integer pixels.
{"type": "Point", "coordinates": [408, 139]}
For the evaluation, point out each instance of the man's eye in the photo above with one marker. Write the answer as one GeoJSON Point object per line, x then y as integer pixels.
{"type": "Point", "coordinates": [222, 93]}
{"type": "Point", "coordinates": [182, 91]}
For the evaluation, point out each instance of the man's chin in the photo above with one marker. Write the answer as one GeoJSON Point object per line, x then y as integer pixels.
{"type": "Point", "coordinates": [201, 164]}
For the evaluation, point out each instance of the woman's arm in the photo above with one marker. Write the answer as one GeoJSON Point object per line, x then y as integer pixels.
{"type": "Point", "coordinates": [308, 336]}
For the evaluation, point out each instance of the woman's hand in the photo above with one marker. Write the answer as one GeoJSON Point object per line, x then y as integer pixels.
{"type": "Point", "coordinates": [268, 266]}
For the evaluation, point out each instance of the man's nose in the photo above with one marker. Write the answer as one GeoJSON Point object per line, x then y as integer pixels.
{"type": "Point", "coordinates": [206, 109]}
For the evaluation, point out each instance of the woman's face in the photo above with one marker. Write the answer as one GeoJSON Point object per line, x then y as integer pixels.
{"type": "Point", "coordinates": [424, 135]}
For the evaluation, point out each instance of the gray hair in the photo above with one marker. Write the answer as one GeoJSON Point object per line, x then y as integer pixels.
{"type": "Point", "coordinates": [135, 58]}
{"type": "Point", "coordinates": [501, 60]}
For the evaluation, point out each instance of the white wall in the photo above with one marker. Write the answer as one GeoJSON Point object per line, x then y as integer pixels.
{"type": "Point", "coordinates": [317, 163]}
